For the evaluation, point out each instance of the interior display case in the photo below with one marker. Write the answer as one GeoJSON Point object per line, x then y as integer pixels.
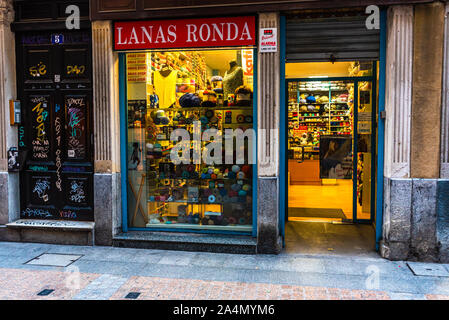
{"type": "Point", "coordinates": [317, 108]}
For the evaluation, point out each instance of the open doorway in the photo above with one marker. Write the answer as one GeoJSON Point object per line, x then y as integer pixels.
{"type": "Point", "coordinates": [331, 139]}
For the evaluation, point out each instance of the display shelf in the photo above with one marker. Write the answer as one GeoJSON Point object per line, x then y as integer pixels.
{"type": "Point", "coordinates": [241, 228]}
{"type": "Point", "coordinates": [230, 108]}
{"type": "Point", "coordinates": [199, 179]}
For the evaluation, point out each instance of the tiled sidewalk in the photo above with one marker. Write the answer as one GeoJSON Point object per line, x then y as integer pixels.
{"type": "Point", "coordinates": [25, 284]}
{"type": "Point", "coordinates": [160, 288]}
{"type": "Point", "coordinates": [20, 284]}
{"type": "Point", "coordinates": [111, 273]}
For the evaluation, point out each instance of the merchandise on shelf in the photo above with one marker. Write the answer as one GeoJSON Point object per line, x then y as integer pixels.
{"type": "Point", "coordinates": [181, 93]}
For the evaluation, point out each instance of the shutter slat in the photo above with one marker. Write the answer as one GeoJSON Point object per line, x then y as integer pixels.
{"type": "Point", "coordinates": [346, 39]}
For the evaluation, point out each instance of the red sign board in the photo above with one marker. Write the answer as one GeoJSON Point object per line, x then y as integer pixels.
{"type": "Point", "coordinates": [185, 33]}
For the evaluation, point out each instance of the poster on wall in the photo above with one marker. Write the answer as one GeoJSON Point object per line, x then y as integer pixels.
{"type": "Point", "coordinates": [335, 157]}
{"type": "Point", "coordinates": [268, 40]}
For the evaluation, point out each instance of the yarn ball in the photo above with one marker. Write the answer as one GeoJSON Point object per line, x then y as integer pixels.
{"type": "Point", "coordinates": [233, 193]}
{"type": "Point", "coordinates": [190, 100]}
{"type": "Point", "coordinates": [242, 193]}
{"type": "Point", "coordinates": [194, 175]}
{"type": "Point", "coordinates": [246, 169]}
{"type": "Point", "coordinates": [236, 187]}
{"type": "Point", "coordinates": [231, 175]}
{"type": "Point", "coordinates": [185, 175]}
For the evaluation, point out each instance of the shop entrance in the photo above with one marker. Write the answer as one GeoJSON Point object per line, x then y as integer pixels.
{"type": "Point", "coordinates": [331, 155]}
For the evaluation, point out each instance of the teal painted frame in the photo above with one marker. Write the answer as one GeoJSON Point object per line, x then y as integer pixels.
{"type": "Point", "coordinates": [283, 199]}
{"type": "Point", "coordinates": [123, 140]}
{"type": "Point", "coordinates": [381, 128]}
{"type": "Point", "coordinates": [124, 157]}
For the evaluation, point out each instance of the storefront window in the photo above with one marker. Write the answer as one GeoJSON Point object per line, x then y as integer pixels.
{"type": "Point", "coordinates": [190, 139]}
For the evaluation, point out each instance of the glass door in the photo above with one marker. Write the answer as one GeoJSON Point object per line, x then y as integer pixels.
{"type": "Point", "coordinates": [365, 141]}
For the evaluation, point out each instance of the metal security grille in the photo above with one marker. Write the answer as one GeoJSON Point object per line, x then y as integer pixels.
{"type": "Point", "coordinates": [331, 39]}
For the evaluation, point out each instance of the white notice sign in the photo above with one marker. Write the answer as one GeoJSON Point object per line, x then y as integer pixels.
{"type": "Point", "coordinates": [268, 40]}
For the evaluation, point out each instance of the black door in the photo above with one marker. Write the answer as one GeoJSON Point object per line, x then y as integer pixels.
{"type": "Point", "coordinates": [54, 77]}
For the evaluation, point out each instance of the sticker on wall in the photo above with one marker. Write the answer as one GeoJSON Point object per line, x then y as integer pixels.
{"type": "Point", "coordinates": [268, 40]}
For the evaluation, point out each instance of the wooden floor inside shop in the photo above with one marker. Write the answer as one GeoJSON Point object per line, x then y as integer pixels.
{"type": "Point", "coordinates": [333, 196]}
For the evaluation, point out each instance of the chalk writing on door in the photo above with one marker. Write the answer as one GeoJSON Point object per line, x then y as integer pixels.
{"type": "Point", "coordinates": [38, 70]}
{"type": "Point", "coordinates": [77, 193]}
{"type": "Point", "coordinates": [41, 188]}
{"type": "Point", "coordinates": [40, 118]}
{"type": "Point", "coordinates": [75, 70]}
{"type": "Point", "coordinates": [58, 161]}
{"type": "Point", "coordinates": [36, 213]}
{"type": "Point", "coordinates": [76, 122]}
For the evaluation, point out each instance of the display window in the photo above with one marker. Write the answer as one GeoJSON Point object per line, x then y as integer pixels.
{"type": "Point", "coordinates": [179, 104]}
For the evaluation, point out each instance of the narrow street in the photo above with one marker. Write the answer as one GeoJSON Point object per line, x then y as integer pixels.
{"type": "Point", "coordinates": [113, 273]}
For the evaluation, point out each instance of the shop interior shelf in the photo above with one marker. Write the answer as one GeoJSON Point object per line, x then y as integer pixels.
{"type": "Point", "coordinates": [199, 179]}
{"type": "Point", "coordinates": [241, 228]}
{"type": "Point", "coordinates": [206, 108]}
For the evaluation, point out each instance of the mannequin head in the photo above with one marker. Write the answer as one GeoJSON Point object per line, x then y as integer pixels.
{"type": "Point", "coordinates": [232, 63]}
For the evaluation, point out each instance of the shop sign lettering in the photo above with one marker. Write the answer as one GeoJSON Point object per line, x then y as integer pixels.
{"type": "Point", "coordinates": [247, 62]}
{"type": "Point", "coordinates": [185, 33]}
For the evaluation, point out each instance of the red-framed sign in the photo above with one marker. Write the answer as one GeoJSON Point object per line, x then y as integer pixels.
{"type": "Point", "coordinates": [185, 33]}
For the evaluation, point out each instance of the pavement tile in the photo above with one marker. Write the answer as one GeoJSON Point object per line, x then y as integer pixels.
{"type": "Point", "coordinates": [19, 284]}
{"type": "Point", "coordinates": [436, 297]}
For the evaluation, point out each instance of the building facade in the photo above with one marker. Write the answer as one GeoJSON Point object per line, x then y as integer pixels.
{"type": "Point", "coordinates": [343, 111]}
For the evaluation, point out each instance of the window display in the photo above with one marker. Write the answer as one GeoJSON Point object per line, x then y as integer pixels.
{"type": "Point", "coordinates": [198, 96]}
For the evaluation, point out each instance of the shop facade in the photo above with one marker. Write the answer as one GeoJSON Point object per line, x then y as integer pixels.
{"type": "Point", "coordinates": [163, 74]}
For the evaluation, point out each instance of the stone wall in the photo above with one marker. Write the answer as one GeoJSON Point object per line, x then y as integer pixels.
{"type": "Point", "coordinates": [268, 112]}
{"type": "Point", "coordinates": [415, 200]}
{"type": "Point", "coordinates": [9, 182]}
{"type": "Point", "coordinates": [417, 227]}
{"type": "Point", "coordinates": [107, 201]}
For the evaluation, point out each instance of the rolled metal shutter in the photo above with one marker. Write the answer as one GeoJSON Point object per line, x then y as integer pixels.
{"type": "Point", "coordinates": [343, 38]}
